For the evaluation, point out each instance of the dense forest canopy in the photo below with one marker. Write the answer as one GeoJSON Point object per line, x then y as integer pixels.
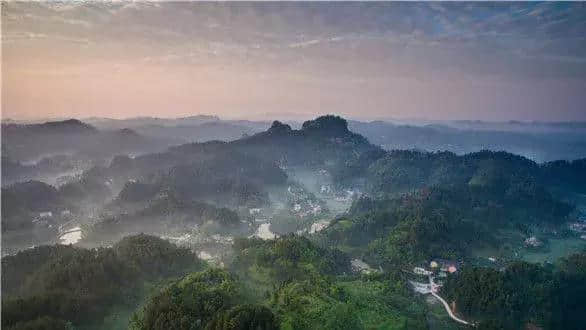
{"type": "Point", "coordinates": [545, 296]}
{"type": "Point", "coordinates": [63, 284]}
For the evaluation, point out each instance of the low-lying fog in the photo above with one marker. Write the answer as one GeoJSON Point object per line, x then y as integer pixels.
{"type": "Point", "coordinates": [304, 205]}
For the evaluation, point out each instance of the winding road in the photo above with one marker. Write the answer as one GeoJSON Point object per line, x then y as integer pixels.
{"type": "Point", "coordinates": [448, 309]}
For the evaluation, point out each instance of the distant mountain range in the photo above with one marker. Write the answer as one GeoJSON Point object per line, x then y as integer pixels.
{"type": "Point", "coordinates": [103, 137]}
{"type": "Point", "coordinates": [539, 142]}
{"type": "Point", "coordinates": [29, 142]}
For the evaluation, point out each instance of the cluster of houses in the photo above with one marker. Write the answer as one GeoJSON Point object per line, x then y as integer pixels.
{"type": "Point", "coordinates": [340, 196]}
{"type": "Point", "coordinates": [533, 242]}
{"type": "Point", "coordinates": [47, 218]}
{"type": "Point", "coordinates": [302, 203]}
{"type": "Point", "coordinates": [301, 209]}
{"type": "Point", "coordinates": [325, 188]}
{"type": "Point", "coordinates": [347, 195]}
{"type": "Point", "coordinates": [579, 227]}
{"type": "Point", "coordinates": [439, 267]}
{"type": "Point", "coordinates": [360, 266]}
{"type": "Point", "coordinates": [258, 214]}
{"type": "Point", "coordinates": [318, 226]}
{"type": "Point", "coordinates": [307, 208]}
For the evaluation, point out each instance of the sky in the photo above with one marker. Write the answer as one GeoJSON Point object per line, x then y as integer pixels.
{"type": "Point", "coordinates": [419, 60]}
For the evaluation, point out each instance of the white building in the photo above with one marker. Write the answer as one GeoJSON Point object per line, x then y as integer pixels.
{"type": "Point", "coordinates": [361, 266]}
{"type": "Point", "coordinates": [578, 227]}
{"type": "Point", "coordinates": [533, 242]}
{"type": "Point", "coordinates": [254, 211]}
{"type": "Point", "coordinates": [447, 266]}
{"type": "Point", "coordinates": [316, 209]}
{"type": "Point", "coordinates": [421, 271]}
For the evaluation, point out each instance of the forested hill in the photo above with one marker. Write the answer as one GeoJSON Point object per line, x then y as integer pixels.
{"type": "Point", "coordinates": [402, 171]}
{"type": "Point", "coordinates": [23, 142]}
{"type": "Point", "coordinates": [523, 294]}
{"type": "Point", "coordinates": [237, 173]}
{"type": "Point", "coordinates": [57, 287]}
{"type": "Point", "coordinates": [440, 205]}
{"type": "Point", "coordinates": [321, 141]}
{"type": "Point", "coordinates": [541, 142]}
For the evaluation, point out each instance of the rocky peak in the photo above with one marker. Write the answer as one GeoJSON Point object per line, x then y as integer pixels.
{"type": "Point", "coordinates": [279, 127]}
{"type": "Point", "coordinates": [327, 125]}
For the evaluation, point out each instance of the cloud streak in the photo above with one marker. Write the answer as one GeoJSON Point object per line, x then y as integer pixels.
{"type": "Point", "coordinates": [290, 51]}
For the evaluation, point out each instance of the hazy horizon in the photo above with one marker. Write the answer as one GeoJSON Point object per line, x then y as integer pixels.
{"type": "Point", "coordinates": [269, 117]}
{"type": "Point", "coordinates": [432, 61]}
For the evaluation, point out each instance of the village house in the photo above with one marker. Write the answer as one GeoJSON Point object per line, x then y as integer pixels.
{"type": "Point", "coordinates": [316, 210]}
{"type": "Point", "coordinates": [361, 267]}
{"type": "Point", "coordinates": [254, 211]}
{"type": "Point", "coordinates": [447, 266]}
{"type": "Point", "coordinates": [40, 221]}
{"type": "Point", "coordinates": [295, 191]}
{"type": "Point", "coordinates": [578, 226]}
{"type": "Point", "coordinates": [533, 242]}
{"type": "Point", "coordinates": [421, 271]}
{"type": "Point", "coordinates": [44, 215]}
{"type": "Point", "coordinates": [297, 207]}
